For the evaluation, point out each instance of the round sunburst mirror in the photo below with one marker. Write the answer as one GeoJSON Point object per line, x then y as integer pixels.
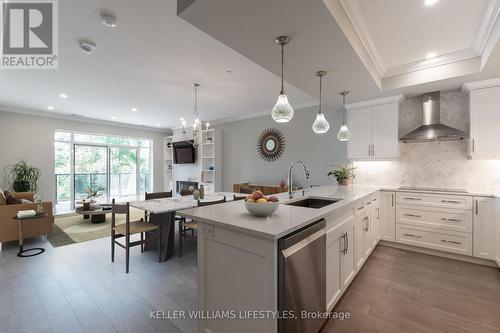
{"type": "Point", "coordinates": [271, 144]}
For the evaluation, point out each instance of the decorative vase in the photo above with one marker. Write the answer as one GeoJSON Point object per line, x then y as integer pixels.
{"type": "Point", "coordinates": [196, 195]}
{"type": "Point", "coordinates": [202, 192]}
{"type": "Point", "coordinates": [344, 181]}
{"type": "Point", "coordinates": [39, 205]}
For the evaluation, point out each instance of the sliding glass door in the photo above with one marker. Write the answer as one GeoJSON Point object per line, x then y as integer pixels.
{"type": "Point", "coordinates": [123, 173]}
{"type": "Point", "coordinates": [119, 167]}
{"type": "Point", "coordinates": [91, 170]}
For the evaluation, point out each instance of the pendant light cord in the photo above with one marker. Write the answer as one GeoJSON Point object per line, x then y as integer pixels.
{"type": "Point", "coordinates": [343, 111]}
{"type": "Point", "coordinates": [320, 88]}
{"type": "Point", "coordinates": [282, 67]}
{"type": "Point", "coordinates": [195, 101]}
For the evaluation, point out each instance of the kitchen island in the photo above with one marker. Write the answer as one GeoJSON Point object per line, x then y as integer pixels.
{"type": "Point", "coordinates": [238, 254]}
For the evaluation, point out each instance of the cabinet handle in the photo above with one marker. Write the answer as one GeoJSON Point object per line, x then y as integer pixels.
{"type": "Point", "coordinates": [450, 220]}
{"type": "Point", "coordinates": [412, 235]}
{"type": "Point", "coordinates": [378, 213]}
{"type": "Point", "coordinates": [452, 242]}
{"type": "Point", "coordinates": [411, 198]}
{"type": "Point", "coordinates": [374, 199]}
{"type": "Point", "coordinates": [373, 150]}
{"type": "Point", "coordinates": [342, 240]}
{"type": "Point", "coordinates": [347, 243]}
{"type": "Point", "coordinates": [450, 201]}
{"type": "Point", "coordinates": [473, 146]}
{"type": "Point", "coordinates": [368, 203]}
{"type": "Point", "coordinates": [412, 215]}
{"type": "Point", "coordinates": [477, 208]}
{"type": "Point", "coordinates": [392, 199]}
{"type": "Point", "coordinates": [360, 208]}
{"type": "Point", "coordinates": [367, 223]}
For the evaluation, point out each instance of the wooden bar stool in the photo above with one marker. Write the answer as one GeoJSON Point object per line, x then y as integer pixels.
{"type": "Point", "coordinates": [185, 226]}
{"type": "Point", "coordinates": [130, 228]}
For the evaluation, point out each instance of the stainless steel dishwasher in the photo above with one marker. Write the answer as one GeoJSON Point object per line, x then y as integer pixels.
{"type": "Point", "coordinates": [302, 278]}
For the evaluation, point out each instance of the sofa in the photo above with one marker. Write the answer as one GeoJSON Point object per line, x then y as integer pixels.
{"type": "Point", "coordinates": [9, 227]}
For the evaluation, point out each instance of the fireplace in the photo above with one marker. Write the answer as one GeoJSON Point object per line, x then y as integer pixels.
{"type": "Point", "coordinates": [184, 185]}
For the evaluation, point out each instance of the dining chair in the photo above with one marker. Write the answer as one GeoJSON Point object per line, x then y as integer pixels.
{"type": "Point", "coordinates": [130, 228]}
{"type": "Point", "coordinates": [236, 197]}
{"type": "Point", "coordinates": [155, 195]}
{"type": "Point", "coordinates": [185, 226]}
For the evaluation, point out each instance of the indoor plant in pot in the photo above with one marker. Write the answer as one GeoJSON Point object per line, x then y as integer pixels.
{"type": "Point", "coordinates": [21, 177]}
{"type": "Point", "coordinates": [342, 173]}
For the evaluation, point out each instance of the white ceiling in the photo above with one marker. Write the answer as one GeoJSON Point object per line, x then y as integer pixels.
{"type": "Point", "coordinates": [403, 32]}
{"type": "Point", "coordinates": [149, 62]}
{"type": "Point", "coordinates": [323, 37]}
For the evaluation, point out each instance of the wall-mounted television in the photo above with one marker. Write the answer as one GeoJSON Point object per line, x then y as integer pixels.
{"type": "Point", "coordinates": [184, 153]}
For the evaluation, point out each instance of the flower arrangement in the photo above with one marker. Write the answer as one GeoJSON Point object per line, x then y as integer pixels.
{"type": "Point", "coordinates": [94, 190]}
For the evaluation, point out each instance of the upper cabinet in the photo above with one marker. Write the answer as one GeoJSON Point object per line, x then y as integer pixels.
{"type": "Point", "coordinates": [484, 101]}
{"type": "Point", "coordinates": [374, 129]}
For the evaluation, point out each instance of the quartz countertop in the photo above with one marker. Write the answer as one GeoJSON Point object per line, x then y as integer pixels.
{"type": "Point", "coordinates": [287, 218]}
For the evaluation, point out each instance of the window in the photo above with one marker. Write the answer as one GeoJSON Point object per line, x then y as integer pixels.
{"type": "Point", "coordinates": [119, 167]}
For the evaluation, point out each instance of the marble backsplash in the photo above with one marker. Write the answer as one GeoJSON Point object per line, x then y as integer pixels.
{"type": "Point", "coordinates": [441, 164]}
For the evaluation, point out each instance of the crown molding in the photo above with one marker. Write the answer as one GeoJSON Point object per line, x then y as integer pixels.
{"type": "Point", "coordinates": [442, 60]}
{"type": "Point", "coordinates": [374, 102]}
{"type": "Point", "coordinates": [484, 42]}
{"type": "Point", "coordinates": [78, 118]}
{"type": "Point", "coordinates": [353, 12]}
{"type": "Point", "coordinates": [469, 86]}
{"type": "Point", "coordinates": [486, 26]}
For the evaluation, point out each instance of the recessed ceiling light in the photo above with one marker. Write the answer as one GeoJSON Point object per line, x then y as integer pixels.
{"type": "Point", "coordinates": [430, 2]}
{"type": "Point", "coordinates": [50, 108]}
{"type": "Point", "coordinates": [108, 19]}
{"type": "Point", "coordinates": [134, 109]}
{"type": "Point", "coordinates": [87, 46]}
{"type": "Point", "coordinates": [62, 95]}
{"type": "Point", "coordinates": [431, 55]}
{"type": "Point", "coordinates": [113, 117]}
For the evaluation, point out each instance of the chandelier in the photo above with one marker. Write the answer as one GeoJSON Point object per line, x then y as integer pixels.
{"type": "Point", "coordinates": [197, 125]}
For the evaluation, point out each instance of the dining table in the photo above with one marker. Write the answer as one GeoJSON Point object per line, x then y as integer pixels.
{"type": "Point", "coordinates": [162, 212]}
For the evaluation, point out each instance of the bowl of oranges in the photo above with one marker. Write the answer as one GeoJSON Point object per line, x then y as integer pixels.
{"type": "Point", "coordinates": [259, 205]}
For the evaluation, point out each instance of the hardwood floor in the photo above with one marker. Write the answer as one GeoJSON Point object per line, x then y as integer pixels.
{"type": "Point", "coordinates": [76, 288]}
{"type": "Point", "coordinates": [402, 291]}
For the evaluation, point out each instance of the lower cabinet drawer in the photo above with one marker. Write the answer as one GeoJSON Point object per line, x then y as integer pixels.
{"type": "Point", "coordinates": [456, 242]}
{"type": "Point", "coordinates": [434, 217]}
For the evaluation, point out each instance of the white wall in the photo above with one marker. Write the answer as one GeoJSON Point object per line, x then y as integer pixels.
{"type": "Point", "coordinates": [241, 162]}
{"type": "Point", "coordinates": [32, 138]}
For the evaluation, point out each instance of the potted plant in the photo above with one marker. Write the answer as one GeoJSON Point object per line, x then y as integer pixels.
{"type": "Point", "coordinates": [21, 177]}
{"type": "Point", "coordinates": [342, 173]}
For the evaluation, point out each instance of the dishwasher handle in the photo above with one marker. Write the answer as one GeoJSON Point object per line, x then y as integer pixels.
{"type": "Point", "coordinates": [302, 234]}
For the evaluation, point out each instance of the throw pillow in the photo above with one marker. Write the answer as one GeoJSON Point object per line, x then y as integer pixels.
{"type": "Point", "coordinates": [11, 199]}
{"type": "Point", "coordinates": [25, 201]}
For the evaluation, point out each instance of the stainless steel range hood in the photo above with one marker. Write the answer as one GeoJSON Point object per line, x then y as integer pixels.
{"type": "Point", "coordinates": [432, 129]}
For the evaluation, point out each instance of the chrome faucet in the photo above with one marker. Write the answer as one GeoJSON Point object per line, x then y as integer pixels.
{"type": "Point", "coordinates": [290, 181]}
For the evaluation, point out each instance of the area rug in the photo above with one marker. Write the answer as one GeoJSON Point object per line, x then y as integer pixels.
{"type": "Point", "coordinates": [72, 229]}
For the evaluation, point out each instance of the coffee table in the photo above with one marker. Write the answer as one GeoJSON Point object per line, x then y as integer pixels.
{"type": "Point", "coordinates": [96, 213]}
{"type": "Point", "coordinates": [22, 251]}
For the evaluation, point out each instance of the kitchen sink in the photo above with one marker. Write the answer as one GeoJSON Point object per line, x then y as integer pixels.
{"type": "Point", "coordinates": [313, 202]}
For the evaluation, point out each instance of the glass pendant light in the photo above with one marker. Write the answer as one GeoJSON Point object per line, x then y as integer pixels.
{"type": "Point", "coordinates": [343, 134]}
{"type": "Point", "coordinates": [282, 111]}
{"type": "Point", "coordinates": [320, 125]}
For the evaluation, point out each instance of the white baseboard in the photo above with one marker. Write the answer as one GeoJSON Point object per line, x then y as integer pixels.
{"type": "Point", "coordinates": [442, 254]}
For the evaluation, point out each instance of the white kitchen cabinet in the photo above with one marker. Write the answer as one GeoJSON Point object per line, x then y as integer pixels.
{"type": "Point", "coordinates": [388, 216]}
{"type": "Point", "coordinates": [484, 227]}
{"type": "Point", "coordinates": [359, 254]}
{"type": "Point", "coordinates": [484, 99]}
{"type": "Point", "coordinates": [374, 129]}
{"type": "Point", "coordinates": [339, 261]}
